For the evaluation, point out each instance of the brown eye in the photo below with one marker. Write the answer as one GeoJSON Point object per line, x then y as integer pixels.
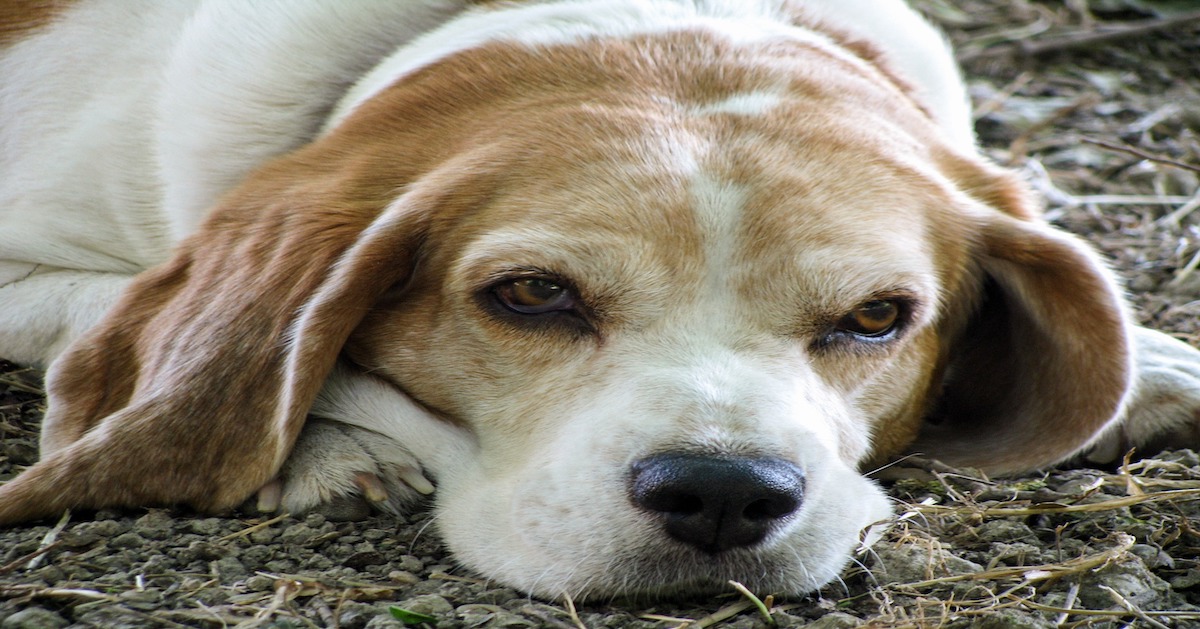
{"type": "Point", "coordinates": [534, 296]}
{"type": "Point", "coordinates": [872, 319]}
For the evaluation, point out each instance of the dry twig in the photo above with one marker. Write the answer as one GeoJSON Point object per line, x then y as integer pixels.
{"type": "Point", "coordinates": [1085, 39]}
{"type": "Point", "coordinates": [1143, 154]}
{"type": "Point", "coordinates": [1034, 573]}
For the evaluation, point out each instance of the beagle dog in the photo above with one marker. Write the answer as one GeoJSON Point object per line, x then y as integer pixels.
{"type": "Point", "coordinates": [644, 286]}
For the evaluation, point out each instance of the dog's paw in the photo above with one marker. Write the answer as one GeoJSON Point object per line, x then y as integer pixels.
{"type": "Point", "coordinates": [345, 473]}
{"type": "Point", "coordinates": [1163, 410]}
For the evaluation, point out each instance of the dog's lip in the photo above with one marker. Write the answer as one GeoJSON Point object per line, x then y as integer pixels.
{"type": "Point", "coordinates": [676, 569]}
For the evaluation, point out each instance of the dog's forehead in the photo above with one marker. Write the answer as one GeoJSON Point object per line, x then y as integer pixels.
{"type": "Point", "coordinates": [717, 201]}
{"type": "Point", "coordinates": [648, 162]}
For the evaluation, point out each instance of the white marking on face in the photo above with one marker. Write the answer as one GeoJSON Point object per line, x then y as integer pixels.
{"type": "Point", "coordinates": [754, 103]}
{"type": "Point", "coordinates": [718, 207]}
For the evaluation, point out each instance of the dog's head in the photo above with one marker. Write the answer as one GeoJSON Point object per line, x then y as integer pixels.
{"type": "Point", "coordinates": [677, 291]}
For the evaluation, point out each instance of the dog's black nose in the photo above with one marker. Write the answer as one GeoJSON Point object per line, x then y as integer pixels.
{"type": "Point", "coordinates": [717, 503]}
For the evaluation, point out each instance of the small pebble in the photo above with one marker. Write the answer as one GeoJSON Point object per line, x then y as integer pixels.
{"type": "Point", "coordinates": [910, 563]}
{"type": "Point", "coordinates": [157, 525]}
{"type": "Point", "coordinates": [429, 604]}
{"type": "Point", "coordinates": [298, 533]}
{"type": "Point", "coordinates": [260, 583]}
{"type": "Point", "coordinates": [410, 564]}
{"type": "Point", "coordinates": [127, 540]}
{"type": "Point", "coordinates": [229, 569]}
{"type": "Point", "coordinates": [265, 536]}
{"type": "Point", "coordinates": [402, 577]}
{"type": "Point", "coordinates": [207, 526]}
{"type": "Point", "coordinates": [34, 618]}
{"type": "Point", "coordinates": [141, 599]}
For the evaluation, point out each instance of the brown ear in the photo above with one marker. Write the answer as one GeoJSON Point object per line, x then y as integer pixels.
{"type": "Point", "coordinates": [194, 388]}
{"type": "Point", "coordinates": [1044, 362]}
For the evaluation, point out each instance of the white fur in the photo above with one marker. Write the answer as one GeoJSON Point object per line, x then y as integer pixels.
{"type": "Point", "coordinates": [748, 104]}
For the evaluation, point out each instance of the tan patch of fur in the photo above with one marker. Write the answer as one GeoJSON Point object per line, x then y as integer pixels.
{"type": "Point", "coordinates": [20, 18]}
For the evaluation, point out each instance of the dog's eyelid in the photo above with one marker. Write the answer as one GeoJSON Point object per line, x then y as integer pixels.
{"type": "Point", "coordinates": [504, 295]}
{"type": "Point", "coordinates": [890, 311]}
{"type": "Point", "coordinates": [488, 281]}
{"type": "Point", "coordinates": [534, 296]}
{"type": "Point", "coordinates": [874, 319]}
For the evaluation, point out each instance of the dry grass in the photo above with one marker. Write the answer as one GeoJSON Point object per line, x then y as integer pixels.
{"type": "Point", "coordinates": [1166, 493]}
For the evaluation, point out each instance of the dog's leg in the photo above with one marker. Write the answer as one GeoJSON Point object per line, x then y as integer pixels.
{"type": "Point", "coordinates": [364, 447]}
{"type": "Point", "coordinates": [344, 472]}
{"type": "Point", "coordinates": [1163, 409]}
{"type": "Point", "coordinates": [43, 309]}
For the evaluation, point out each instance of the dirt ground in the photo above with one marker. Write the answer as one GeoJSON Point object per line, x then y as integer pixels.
{"type": "Point", "coordinates": [1097, 101]}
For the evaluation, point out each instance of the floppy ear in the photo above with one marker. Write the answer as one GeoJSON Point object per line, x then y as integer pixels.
{"type": "Point", "coordinates": [1043, 363]}
{"type": "Point", "coordinates": [194, 388]}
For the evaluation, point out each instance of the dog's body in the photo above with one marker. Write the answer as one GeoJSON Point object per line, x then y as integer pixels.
{"type": "Point", "coordinates": [642, 283]}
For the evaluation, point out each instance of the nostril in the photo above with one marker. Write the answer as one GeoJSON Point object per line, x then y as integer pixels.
{"type": "Point", "coordinates": [717, 503]}
{"type": "Point", "coordinates": [771, 508]}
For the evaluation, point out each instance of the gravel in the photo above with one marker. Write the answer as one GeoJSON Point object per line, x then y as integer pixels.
{"type": "Point", "coordinates": [1068, 547]}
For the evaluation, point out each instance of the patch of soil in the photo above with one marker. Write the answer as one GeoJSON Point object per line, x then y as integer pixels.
{"type": "Point", "coordinates": [1106, 126]}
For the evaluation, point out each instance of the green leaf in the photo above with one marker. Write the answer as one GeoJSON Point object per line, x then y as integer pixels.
{"type": "Point", "coordinates": [764, 608]}
{"type": "Point", "coordinates": [409, 617]}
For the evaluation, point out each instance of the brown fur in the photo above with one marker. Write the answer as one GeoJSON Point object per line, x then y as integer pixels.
{"type": "Point", "coordinates": [20, 18]}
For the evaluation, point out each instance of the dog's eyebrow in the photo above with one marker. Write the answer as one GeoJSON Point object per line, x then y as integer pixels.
{"type": "Point", "coordinates": [842, 277]}
{"type": "Point", "coordinates": [605, 256]}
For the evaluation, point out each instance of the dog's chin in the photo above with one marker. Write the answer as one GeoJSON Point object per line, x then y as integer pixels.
{"type": "Point", "coordinates": [678, 572]}
{"type": "Point", "coordinates": [671, 570]}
